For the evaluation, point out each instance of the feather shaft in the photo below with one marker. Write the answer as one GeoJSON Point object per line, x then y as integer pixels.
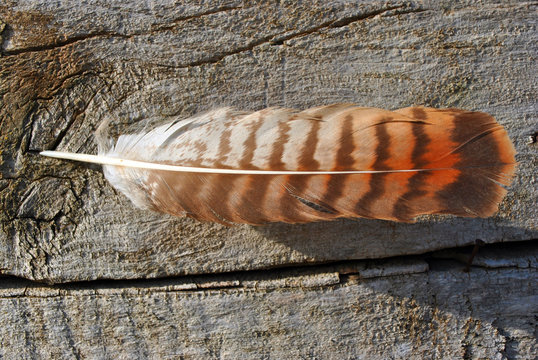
{"type": "Point", "coordinates": [107, 160]}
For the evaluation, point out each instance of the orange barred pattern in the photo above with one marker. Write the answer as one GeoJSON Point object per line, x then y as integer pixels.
{"type": "Point", "coordinates": [469, 154]}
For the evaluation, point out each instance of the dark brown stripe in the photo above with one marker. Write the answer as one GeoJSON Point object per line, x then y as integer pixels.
{"type": "Point", "coordinates": [275, 159]}
{"type": "Point", "coordinates": [204, 192]}
{"type": "Point", "coordinates": [190, 187]}
{"type": "Point", "coordinates": [250, 146]}
{"type": "Point", "coordinates": [473, 189]}
{"type": "Point", "coordinates": [377, 181]}
{"type": "Point", "coordinates": [217, 196]}
{"type": "Point", "coordinates": [287, 206]}
{"type": "Point", "coordinates": [402, 209]}
{"type": "Point", "coordinates": [211, 186]}
{"type": "Point", "coordinates": [297, 184]}
{"type": "Point", "coordinates": [344, 161]}
{"type": "Point", "coordinates": [254, 195]}
{"type": "Point", "coordinates": [306, 160]}
{"type": "Point", "coordinates": [419, 113]}
{"type": "Point", "coordinates": [220, 189]}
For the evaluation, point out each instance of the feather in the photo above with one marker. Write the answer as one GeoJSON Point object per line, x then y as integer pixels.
{"type": "Point", "coordinates": [323, 163]}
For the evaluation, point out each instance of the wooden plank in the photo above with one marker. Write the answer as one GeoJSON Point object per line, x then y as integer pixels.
{"type": "Point", "coordinates": [65, 68]}
{"type": "Point", "coordinates": [416, 310]}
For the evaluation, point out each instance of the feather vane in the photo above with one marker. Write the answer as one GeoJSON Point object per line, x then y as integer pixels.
{"type": "Point", "coordinates": [323, 163]}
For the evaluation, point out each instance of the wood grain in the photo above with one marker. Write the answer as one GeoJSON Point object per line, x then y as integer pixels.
{"type": "Point", "coordinates": [64, 69]}
{"type": "Point", "coordinates": [66, 66]}
{"type": "Point", "coordinates": [398, 309]}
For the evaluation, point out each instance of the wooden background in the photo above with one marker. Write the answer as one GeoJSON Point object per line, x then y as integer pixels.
{"type": "Point", "coordinates": [87, 275]}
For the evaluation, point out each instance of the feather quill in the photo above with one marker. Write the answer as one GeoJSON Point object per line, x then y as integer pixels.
{"type": "Point", "coordinates": [323, 163]}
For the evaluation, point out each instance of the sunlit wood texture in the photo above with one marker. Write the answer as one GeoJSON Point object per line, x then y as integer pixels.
{"type": "Point", "coordinates": [66, 66]}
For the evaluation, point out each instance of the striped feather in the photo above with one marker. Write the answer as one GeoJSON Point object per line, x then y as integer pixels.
{"type": "Point", "coordinates": [407, 162]}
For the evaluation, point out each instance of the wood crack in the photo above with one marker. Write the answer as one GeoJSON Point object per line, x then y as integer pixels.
{"type": "Point", "coordinates": [61, 44]}
{"type": "Point", "coordinates": [273, 39]}
{"type": "Point", "coordinates": [344, 22]}
{"type": "Point", "coordinates": [110, 34]}
{"type": "Point", "coordinates": [324, 275]}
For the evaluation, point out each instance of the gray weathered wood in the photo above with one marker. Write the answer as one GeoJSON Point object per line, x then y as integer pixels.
{"type": "Point", "coordinates": [64, 68]}
{"type": "Point", "coordinates": [398, 309]}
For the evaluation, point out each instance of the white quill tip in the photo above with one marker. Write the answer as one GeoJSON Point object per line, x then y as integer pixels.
{"type": "Point", "coordinates": [73, 156]}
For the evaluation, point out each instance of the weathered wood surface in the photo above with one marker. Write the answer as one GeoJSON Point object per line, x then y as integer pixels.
{"type": "Point", "coordinates": [64, 68]}
{"type": "Point", "coordinates": [396, 309]}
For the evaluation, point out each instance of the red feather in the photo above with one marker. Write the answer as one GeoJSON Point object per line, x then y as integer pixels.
{"type": "Point", "coordinates": [319, 164]}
